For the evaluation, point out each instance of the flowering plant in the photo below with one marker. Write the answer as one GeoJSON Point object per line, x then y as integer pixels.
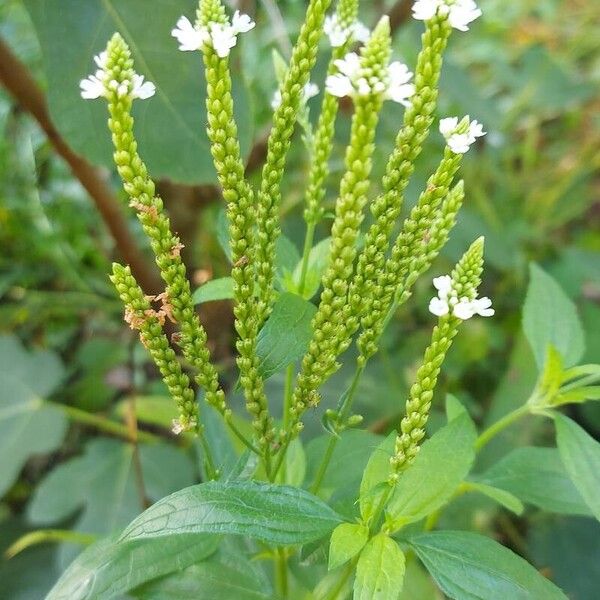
{"type": "Point", "coordinates": [326, 541]}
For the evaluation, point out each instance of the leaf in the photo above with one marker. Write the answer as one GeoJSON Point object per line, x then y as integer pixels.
{"type": "Point", "coordinates": [155, 410]}
{"type": "Point", "coordinates": [373, 484]}
{"type": "Point", "coordinates": [468, 566]}
{"type": "Point", "coordinates": [286, 334]}
{"type": "Point", "coordinates": [109, 568]}
{"type": "Point", "coordinates": [537, 476]}
{"type": "Point", "coordinates": [442, 463]}
{"type": "Point", "coordinates": [549, 317]}
{"type": "Point", "coordinates": [317, 263]}
{"type": "Point", "coordinates": [502, 497]}
{"type": "Point", "coordinates": [224, 576]}
{"type": "Point", "coordinates": [418, 585]}
{"type": "Point", "coordinates": [103, 483]}
{"type": "Point", "coordinates": [579, 395]}
{"type": "Point", "coordinates": [380, 570]}
{"type": "Point", "coordinates": [28, 425]}
{"type": "Point", "coordinates": [271, 513]}
{"type": "Point", "coordinates": [295, 459]}
{"type": "Point", "coordinates": [170, 126]}
{"type": "Point", "coordinates": [286, 258]}
{"type": "Point", "coordinates": [454, 407]}
{"type": "Point", "coordinates": [216, 289]}
{"type": "Point", "coordinates": [347, 540]}
{"type": "Point", "coordinates": [580, 454]}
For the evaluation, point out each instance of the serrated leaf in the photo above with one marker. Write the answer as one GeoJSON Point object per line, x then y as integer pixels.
{"type": "Point", "coordinates": [442, 463]}
{"type": "Point", "coordinates": [109, 568]}
{"type": "Point", "coordinates": [347, 540]}
{"type": "Point", "coordinates": [550, 318]}
{"type": "Point", "coordinates": [502, 497]}
{"type": "Point", "coordinates": [169, 126]}
{"type": "Point", "coordinates": [580, 454]}
{"type": "Point", "coordinates": [468, 566]}
{"type": "Point", "coordinates": [380, 570]}
{"type": "Point", "coordinates": [373, 484]}
{"type": "Point", "coordinates": [28, 425]}
{"type": "Point", "coordinates": [537, 476]}
{"type": "Point", "coordinates": [271, 513]}
{"type": "Point", "coordinates": [102, 482]}
{"type": "Point", "coordinates": [215, 289]}
{"type": "Point", "coordinates": [285, 336]}
{"type": "Point", "coordinates": [224, 576]}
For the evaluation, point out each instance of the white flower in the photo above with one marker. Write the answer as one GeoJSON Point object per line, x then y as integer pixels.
{"type": "Point", "coordinates": [460, 12]}
{"type": "Point", "coordinates": [93, 86]}
{"type": "Point", "coordinates": [338, 35]}
{"type": "Point", "coordinates": [177, 427]}
{"type": "Point", "coordinates": [310, 91]}
{"type": "Point", "coordinates": [352, 80]}
{"type": "Point", "coordinates": [447, 302]}
{"type": "Point", "coordinates": [100, 60]}
{"type": "Point", "coordinates": [460, 143]}
{"type": "Point", "coordinates": [183, 424]}
{"type": "Point", "coordinates": [221, 36]}
{"type": "Point", "coordinates": [189, 37]}
{"type": "Point", "coordinates": [142, 89]}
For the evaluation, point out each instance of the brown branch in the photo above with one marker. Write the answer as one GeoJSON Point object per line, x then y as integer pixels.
{"type": "Point", "coordinates": [18, 81]}
{"type": "Point", "coordinates": [399, 13]}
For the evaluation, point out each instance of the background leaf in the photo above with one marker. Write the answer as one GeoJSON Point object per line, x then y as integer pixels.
{"type": "Point", "coordinates": [549, 317]}
{"type": "Point", "coordinates": [28, 425]}
{"type": "Point", "coordinates": [215, 289]}
{"type": "Point", "coordinates": [286, 334]}
{"type": "Point", "coordinates": [170, 127]}
{"type": "Point", "coordinates": [276, 514]}
{"type": "Point", "coordinates": [537, 476]}
{"type": "Point", "coordinates": [380, 570]}
{"type": "Point", "coordinates": [377, 472]}
{"type": "Point", "coordinates": [468, 566]}
{"type": "Point", "coordinates": [109, 568]}
{"type": "Point", "coordinates": [580, 454]}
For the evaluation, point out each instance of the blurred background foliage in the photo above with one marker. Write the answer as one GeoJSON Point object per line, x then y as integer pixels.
{"type": "Point", "coordinates": [529, 70]}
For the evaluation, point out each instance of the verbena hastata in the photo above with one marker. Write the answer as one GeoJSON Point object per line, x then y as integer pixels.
{"type": "Point", "coordinates": [362, 285]}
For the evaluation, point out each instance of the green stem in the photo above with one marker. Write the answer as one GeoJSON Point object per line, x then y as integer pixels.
{"type": "Point", "coordinates": [103, 423]}
{"type": "Point", "coordinates": [500, 425]}
{"type": "Point", "coordinates": [345, 575]}
{"type": "Point", "coordinates": [281, 572]}
{"type": "Point", "coordinates": [211, 470]}
{"type": "Point", "coordinates": [344, 407]}
{"type": "Point", "coordinates": [308, 242]}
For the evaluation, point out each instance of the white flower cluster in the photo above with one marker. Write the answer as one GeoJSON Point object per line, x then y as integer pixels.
{"type": "Point", "coordinates": [98, 84]}
{"type": "Point", "coordinates": [221, 36]}
{"type": "Point", "coordinates": [460, 143]}
{"type": "Point", "coordinates": [447, 301]}
{"type": "Point", "coordinates": [338, 34]}
{"type": "Point", "coordinates": [310, 91]}
{"type": "Point", "coordinates": [353, 80]}
{"type": "Point", "coordinates": [179, 426]}
{"type": "Point", "coordinates": [460, 12]}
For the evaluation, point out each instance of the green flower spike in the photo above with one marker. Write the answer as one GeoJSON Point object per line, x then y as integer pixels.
{"type": "Point", "coordinates": [331, 321]}
{"type": "Point", "coordinates": [120, 89]}
{"type": "Point", "coordinates": [458, 288]}
{"type": "Point", "coordinates": [269, 197]}
{"type": "Point", "coordinates": [418, 119]}
{"type": "Point", "coordinates": [225, 149]}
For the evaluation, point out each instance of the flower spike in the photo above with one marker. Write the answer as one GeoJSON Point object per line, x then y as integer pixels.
{"type": "Point", "coordinates": [459, 12]}
{"type": "Point", "coordinates": [460, 136]}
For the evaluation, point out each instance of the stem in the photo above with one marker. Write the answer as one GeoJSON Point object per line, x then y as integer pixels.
{"type": "Point", "coordinates": [333, 595]}
{"type": "Point", "coordinates": [308, 242]}
{"type": "Point", "coordinates": [240, 436]}
{"type": "Point", "coordinates": [211, 469]}
{"type": "Point", "coordinates": [344, 406]}
{"type": "Point", "coordinates": [281, 572]}
{"type": "Point", "coordinates": [103, 424]}
{"type": "Point", "coordinates": [132, 427]}
{"type": "Point", "coordinates": [500, 425]}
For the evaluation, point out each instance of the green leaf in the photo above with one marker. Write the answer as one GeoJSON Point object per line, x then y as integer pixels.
{"type": "Point", "coordinates": [317, 263]}
{"type": "Point", "coordinates": [549, 317]}
{"type": "Point", "coordinates": [373, 484]}
{"type": "Point", "coordinates": [418, 585]}
{"type": "Point", "coordinates": [286, 258]}
{"type": "Point", "coordinates": [295, 460]}
{"type": "Point", "coordinates": [454, 407]}
{"type": "Point", "coordinates": [537, 476]}
{"type": "Point", "coordinates": [216, 289]}
{"type": "Point", "coordinates": [286, 334]}
{"type": "Point", "coordinates": [580, 454]}
{"type": "Point", "coordinates": [347, 540]}
{"type": "Point", "coordinates": [28, 425]}
{"type": "Point", "coordinates": [442, 463]}
{"type": "Point", "coordinates": [155, 410]}
{"type": "Point", "coordinates": [109, 568]}
{"type": "Point", "coordinates": [468, 566]}
{"type": "Point", "coordinates": [380, 570]}
{"type": "Point", "coordinates": [102, 482]}
{"type": "Point", "coordinates": [170, 126]}
{"type": "Point", "coordinates": [271, 513]}
{"type": "Point", "coordinates": [579, 395]}
{"type": "Point", "coordinates": [502, 497]}
{"type": "Point", "coordinates": [224, 576]}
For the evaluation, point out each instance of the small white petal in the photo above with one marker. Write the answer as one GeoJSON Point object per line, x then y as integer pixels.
{"type": "Point", "coordinates": [100, 60]}
{"type": "Point", "coordinates": [438, 307]}
{"type": "Point", "coordinates": [242, 23]}
{"type": "Point", "coordinates": [443, 285]}
{"type": "Point", "coordinates": [177, 427]}
{"type": "Point", "coordinates": [339, 85]}
{"type": "Point", "coordinates": [361, 32]}
{"type": "Point", "coordinates": [483, 307]}
{"type": "Point", "coordinates": [349, 65]}
{"type": "Point", "coordinates": [464, 309]}
{"type": "Point", "coordinates": [310, 90]}
{"type": "Point", "coordinates": [91, 88]}
{"type": "Point", "coordinates": [223, 39]}
{"type": "Point", "coordinates": [423, 10]}
{"type": "Point", "coordinates": [188, 36]}
{"type": "Point", "coordinates": [448, 126]}
{"type": "Point", "coordinates": [142, 89]}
